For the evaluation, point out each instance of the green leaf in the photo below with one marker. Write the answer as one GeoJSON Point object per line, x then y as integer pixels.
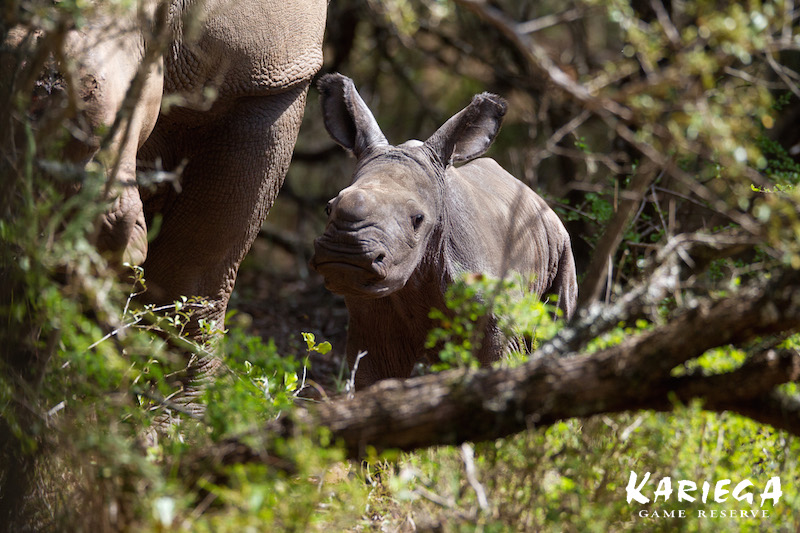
{"type": "Point", "coordinates": [290, 380]}
{"type": "Point", "coordinates": [309, 338]}
{"type": "Point", "coordinates": [323, 347]}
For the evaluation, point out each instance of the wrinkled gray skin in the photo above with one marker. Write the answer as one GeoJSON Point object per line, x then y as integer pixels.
{"type": "Point", "coordinates": [411, 221]}
{"type": "Point", "coordinates": [258, 57]}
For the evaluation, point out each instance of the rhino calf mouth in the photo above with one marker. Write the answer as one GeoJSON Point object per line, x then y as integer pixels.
{"type": "Point", "coordinates": [350, 280]}
{"type": "Point", "coordinates": [351, 272]}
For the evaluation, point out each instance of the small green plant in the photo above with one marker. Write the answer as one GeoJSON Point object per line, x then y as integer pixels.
{"type": "Point", "coordinates": [460, 333]}
{"type": "Point", "coordinates": [472, 301]}
{"type": "Point", "coordinates": [311, 346]}
{"type": "Point", "coordinates": [582, 145]}
{"type": "Point", "coordinates": [321, 348]}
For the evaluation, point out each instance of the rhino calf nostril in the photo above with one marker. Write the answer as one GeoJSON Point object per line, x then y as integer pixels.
{"type": "Point", "coordinates": [380, 258]}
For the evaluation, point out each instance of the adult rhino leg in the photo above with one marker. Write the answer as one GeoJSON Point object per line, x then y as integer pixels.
{"type": "Point", "coordinates": [234, 169]}
{"type": "Point", "coordinates": [106, 64]}
{"type": "Point", "coordinates": [123, 230]}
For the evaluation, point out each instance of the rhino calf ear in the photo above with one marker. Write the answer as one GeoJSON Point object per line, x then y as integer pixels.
{"type": "Point", "coordinates": [471, 131]}
{"type": "Point", "coordinates": [347, 118]}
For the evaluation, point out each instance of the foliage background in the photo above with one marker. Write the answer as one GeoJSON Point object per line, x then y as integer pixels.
{"type": "Point", "coordinates": [596, 89]}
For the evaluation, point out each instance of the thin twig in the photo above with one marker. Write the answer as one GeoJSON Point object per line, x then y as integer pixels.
{"type": "Point", "coordinates": [658, 210]}
{"type": "Point", "coordinates": [580, 155]}
{"type": "Point", "coordinates": [467, 454]}
{"type": "Point", "coordinates": [548, 21]}
{"type": "Point", "coordinates": [434, 498]}
{"type": "Point", "coordinates": [749, 78]}
{"type": "Point", "coordinates": [165, 402]}
{"type": "Point", "coordinates": [788, 18]}
{"type": "Point", "coordinates": [351, 383]}
{"type": "Point", "coordinates": [583, 214]}
{"type": "Point", "coordinates": [559, 134]}
{"type": "Point", "coordinates": [666, 24]}
{"type": "Point", "coordinates": [780, 70]}
{"type": "Point", "coordinates": [138, 318]}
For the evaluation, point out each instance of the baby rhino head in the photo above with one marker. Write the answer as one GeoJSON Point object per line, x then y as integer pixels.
{"type": "Point", "coordinates": [383, 225]}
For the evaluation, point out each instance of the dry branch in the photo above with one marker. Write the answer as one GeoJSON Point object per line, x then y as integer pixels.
{"type": "Point", "coordinates": [612, 236]}
{"type": "Point", "coordinates": [538, 58]}
{"type": "Point", "coordinates": [462, 405]}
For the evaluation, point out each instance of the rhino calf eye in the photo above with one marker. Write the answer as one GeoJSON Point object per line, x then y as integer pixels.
{"type": "Point", "coordinates": [416, 221]}
{"type": "Point", "coordinates": [328, 209]}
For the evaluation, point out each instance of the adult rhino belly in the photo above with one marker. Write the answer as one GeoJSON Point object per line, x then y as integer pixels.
{"type": "Point", "coordinates": [249, 48]}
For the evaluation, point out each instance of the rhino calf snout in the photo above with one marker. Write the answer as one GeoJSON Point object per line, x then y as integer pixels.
{"type": "Point", "coordinates": [352, 205]}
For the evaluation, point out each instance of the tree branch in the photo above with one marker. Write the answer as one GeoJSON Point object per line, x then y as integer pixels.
{"type": "Point", "coordinates": [463, 405]}
{"type": "Point", "coordinates": [612, 236]}
{"type": "Point", "coordinates": [537, 57]}
{"type": "Point", "coordinates": [774, 408]}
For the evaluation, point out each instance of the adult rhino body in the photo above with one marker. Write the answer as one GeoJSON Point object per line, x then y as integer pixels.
{"type": "Point", "coordinates": [410, 222]}
{"type": "Point", "coordinates": [232, 76]}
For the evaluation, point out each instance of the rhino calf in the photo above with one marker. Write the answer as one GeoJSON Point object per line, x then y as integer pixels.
{"type": "Point", "coordinates": [411, 221]}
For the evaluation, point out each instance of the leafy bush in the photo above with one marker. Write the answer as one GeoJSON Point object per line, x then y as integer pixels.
{"type": "Point", "coordinates": [523, 318]}
{"type": "Point", "coordinates": [572, 476]}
